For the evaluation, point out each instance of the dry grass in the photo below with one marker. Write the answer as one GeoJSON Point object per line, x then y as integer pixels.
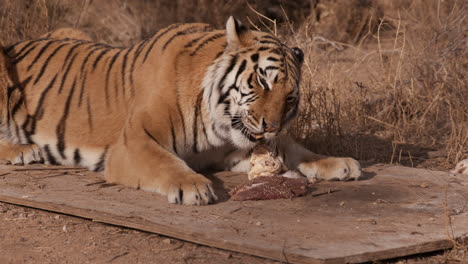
{"type": "Point", "coordinates": [397, 86]}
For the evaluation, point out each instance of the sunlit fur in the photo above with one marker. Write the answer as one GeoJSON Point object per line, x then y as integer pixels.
{"type": "Point", "coordinates": [187, 98]}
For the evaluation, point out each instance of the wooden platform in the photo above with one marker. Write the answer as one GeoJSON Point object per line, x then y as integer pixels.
{"type": "Point", "coordinates": [394, 211]}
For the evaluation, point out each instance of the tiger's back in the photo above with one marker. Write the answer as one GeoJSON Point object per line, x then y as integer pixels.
{"type": "Point", "coordinates": [77, 94]}
{"type": "Point", "coordinates": [65, 110]}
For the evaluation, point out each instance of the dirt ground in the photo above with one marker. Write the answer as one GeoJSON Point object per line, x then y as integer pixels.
{"type": "Point", "coordinates": [34, 236]}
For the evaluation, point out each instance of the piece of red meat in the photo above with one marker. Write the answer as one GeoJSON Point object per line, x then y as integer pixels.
{"type": "Point", "coordinates": [267, 188]}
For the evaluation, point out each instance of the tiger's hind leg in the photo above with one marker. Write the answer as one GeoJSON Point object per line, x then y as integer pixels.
{"type": "Point", "coordinates": [20, 154]}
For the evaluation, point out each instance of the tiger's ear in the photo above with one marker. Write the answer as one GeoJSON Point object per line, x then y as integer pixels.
{"type": "Point", "coordinates": [235, 31]}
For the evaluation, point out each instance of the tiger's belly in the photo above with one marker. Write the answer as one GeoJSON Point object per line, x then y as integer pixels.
{"type": "Point", "coordinates": [88, 156]}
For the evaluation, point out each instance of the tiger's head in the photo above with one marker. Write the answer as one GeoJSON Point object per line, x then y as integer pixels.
{"type": "Point", "coordinates": [252, 89]}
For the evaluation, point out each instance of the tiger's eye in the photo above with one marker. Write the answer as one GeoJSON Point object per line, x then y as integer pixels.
{"type": "Point", "coordinates": [290, 99]}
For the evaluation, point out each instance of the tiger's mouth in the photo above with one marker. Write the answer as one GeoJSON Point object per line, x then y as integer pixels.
{"type": "Point", "coordinates": [251, 133]}
{"type": "Point", "coordinates": [255, 136]}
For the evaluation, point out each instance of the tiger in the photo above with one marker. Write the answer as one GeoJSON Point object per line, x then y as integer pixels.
{"type": "Point", "coordinates": [155, 115]}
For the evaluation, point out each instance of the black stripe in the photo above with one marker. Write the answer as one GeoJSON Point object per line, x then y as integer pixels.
{"type": "Point", "coordinates": [91, 52]}
{"type": "Point", "coordinates": [253, 98]}
{"type": "Point", "coordinates": [49, 157]}
{"type": "Point", "coordinates": [40, 53]}
{"type": "Point", "coordinates": [46, 63]}
{"type": "Point", "coordinates": [151, 136]}
{"type": "Point", "coordinates": [272, 59]}
{"type": "Point", "coordinates": [28, 128]}
{"type": "Point", "coordinates": [264, 83]}
{"type": "Point", "coordinates": [39, 111]}
{"type": "Point", "coordinates": [206, 41]}
{"type": "Point", "coordinates": [94, 48]}
{"type": "Point", "coordinates": [189, 30]}
{"type": "Point", "coordinates": [17, 60]}
{"type": "Point", "coordinates": [136, 55]}
{"type": "Point", "coordinates": [219, 54]}
{"type": "Point", "coordinates": [26, 45]}
{"type": "Point", "coordinates": [61, 127]}
{"type": "Point", "coordinates": [262, 72]}
{"type": "Point", "coordinates": [20, 102]}
{"type": "Point", "coordinates": [106, 87]}
{"type": "Point", "coordinates": [83, 82]}
{"type": "Point", "coordinates": [159, 35]}
{"type": "Point", "coordinates": [249, 81]}
{"type": "Point", "coordinates": [174, 143]}
{"type": "Point", "coordinates": [24, 83]}
{"type": "Point", "coordinates": [90, 114]}
{"type": "Point", "coordinates": [271, 68]}
{"type": "Point", "coordinates": [99, 166]}
{"type": "Point", "coordinates": [125, 137]}
{"type": "Point", "coordinates": [277, 52]}
{"type": "Point", "coordinates": [240, 71]}
{"type": "Point", "coordinates": [195, 122]}
{"type": "Point", "coordinates": [254, 57]}
{"type": "Point", "coordinates": [19, 56]}
{"type": "Point", "coordinates": [124, 66]}
{"type": "Point", "coordinates": [67, 71]}
{"type": "Point", "coordinates": [228, 71]}
{"type": "Point", "coordinates": [77, 157]}
{"type": "Point", "coordinates": [99, 57]}
{"type": "Point", "coordinates": [226, 94]}
{"type": "Point", "coordinates": [193, 41]}
{"type": "Point", "coordinates": [69, 53]}
{"type": "Point", "coordinates": [246, 94]}
{"type": "Point", "coordinates": [181, 116]}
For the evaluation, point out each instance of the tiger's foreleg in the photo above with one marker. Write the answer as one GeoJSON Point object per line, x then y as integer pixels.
{"type": "Point", "coordinates": [139, 160]}
{"type": "Point", "coordinates": [20, 154]}
{"type": "Point", "coordinates": [14, 153]}
{"type": "Point", "coordinates": [315, 166]}
{"type": "Point", "coordinates": [296, 157]}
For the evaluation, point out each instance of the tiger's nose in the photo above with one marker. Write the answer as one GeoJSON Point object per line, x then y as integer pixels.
{"type": "Point", "coordinates": [270, 126]}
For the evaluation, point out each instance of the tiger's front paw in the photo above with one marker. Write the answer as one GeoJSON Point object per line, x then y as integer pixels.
{"type": "Point", "coordinates": [21, 154]}
{"type": "Point", "coordinates": [193, 189]}
{"type": "Point", "coordinates": [329, 169]}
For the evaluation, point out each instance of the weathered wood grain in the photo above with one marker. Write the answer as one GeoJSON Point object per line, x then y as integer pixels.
{"type": "Point", "coordinates": [394, 211]}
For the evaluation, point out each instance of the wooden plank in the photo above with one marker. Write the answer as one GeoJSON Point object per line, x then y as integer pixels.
{"type": "Point", "coordinates": [394, 211]}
